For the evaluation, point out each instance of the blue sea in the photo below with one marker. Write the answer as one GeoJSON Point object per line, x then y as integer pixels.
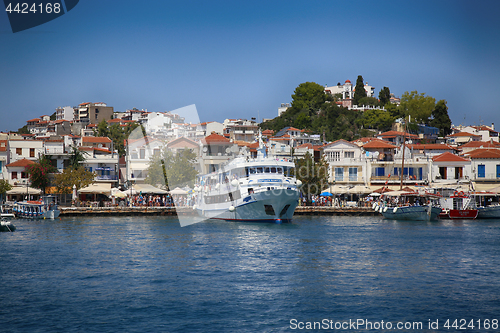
{"type": "Point", "coordinates": [147, 274]}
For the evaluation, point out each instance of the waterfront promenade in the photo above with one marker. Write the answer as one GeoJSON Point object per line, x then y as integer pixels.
{"type": "Point", "coordinates": [127, 211]}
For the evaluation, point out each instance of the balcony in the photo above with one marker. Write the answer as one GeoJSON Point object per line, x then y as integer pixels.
{"type": "Point", "coordinates": [107, 177]}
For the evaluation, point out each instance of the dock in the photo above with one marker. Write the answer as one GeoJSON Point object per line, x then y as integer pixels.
{"type": "Point", "coordinates": [172, 211]}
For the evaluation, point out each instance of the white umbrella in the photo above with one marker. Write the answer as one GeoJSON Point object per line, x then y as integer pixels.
{"type": "Point", "coordinates": [117, 193]}
{"type": "Point", "coordinates": [177, 191]}
{"type": "Point", "coordinates": [74, 195]}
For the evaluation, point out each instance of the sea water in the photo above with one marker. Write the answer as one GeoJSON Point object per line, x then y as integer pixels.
{"type": "Point", "coordinates": [135, 274]}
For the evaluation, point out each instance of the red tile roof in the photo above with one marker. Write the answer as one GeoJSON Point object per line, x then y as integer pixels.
{"type": "Point", "coordinates": [481, 144]}
{"type": "Point", "coordinates": [3, 145]}
{"type": "Point", "coordinates": [393, 134]}
{"type": "Point", "coordinates": [430, 146]}
{"type": "Point", "coordinates": [449, 157]}
{"type": "Point", "coordinates": [20, 163]}
{"type": "Point", "coordinates": [93, 139]}
{"type": "Point", "coordinates": [214, 138]}
{"type": "Point", "coordinates": [377, 144]}
{"type": "Point", "coordinates": [463, 134]}
{"type": "Point", "coordinates": [484, 153]}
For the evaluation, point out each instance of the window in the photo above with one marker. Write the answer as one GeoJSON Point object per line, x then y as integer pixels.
{"type": "Point", "coordinates": [334, 156]}
{"type": "Point", "coordinates": [348, 154]}
{"type": "Point", "coordinates": [353, 174]}
{"type": "Point", "coordinates": [142, 154]}
{"type": "Point", "coordinates": [32, 152]}
{"type": "Point", "coordinates": [481, 171]}
{"type": "Point", "coordinates": [269, 209]}
{"type": "Point", "coordinates": [14, 174]}
{"type": "Point", "coordinates": [339, 174]}
{"type": "Point", "coordinates": [23, 175]}
{"type": "Point", "coordinates": [380, 172]}
{"type": "Point", "coordinates": [19, 151]}
{"type": "Point", "coordinates": [498, 169]}
{"type": "Point", "coordinates": [156, 152]}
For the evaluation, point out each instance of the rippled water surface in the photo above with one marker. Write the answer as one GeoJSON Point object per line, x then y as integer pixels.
{"type": "Point", "coordinates": [138, 274]}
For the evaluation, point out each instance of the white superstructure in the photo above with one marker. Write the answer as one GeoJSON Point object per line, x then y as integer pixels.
{"type": "Point", "coordinates": [246, 189]}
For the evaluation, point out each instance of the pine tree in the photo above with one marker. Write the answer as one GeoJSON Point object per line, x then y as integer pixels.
{"type": "Point", "coordinates": [360, 91]}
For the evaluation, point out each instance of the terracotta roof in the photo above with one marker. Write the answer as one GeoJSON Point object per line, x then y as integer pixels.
{"type": "Point", "coordinates": [20, 163]}
{"type": "Point", "coordinates": [484, 153]}
{"type": "Point", "coordinates": [449, 157]}
{"type": "Point", "coordinates": [430, 146]}
{"type": "Point", "coordinates": [463, 134]}
{"type": "Point", "coordinates": [393, 134]}
{"type": "Point", "coordinates": [214, 138]}
{"type": "Point", "coordinates": [268, 131]}
{"type": "Point", "coordinates": [481, 144]}
{"type": "Point", "coordinates": [93, 139]}
{"type": "Point", "coordinates": [32, 120]}
{"type": "Point", "coordinates": [484, 128]}
{"type": "Point", "coordinates": [306, 145]}
{"type": "Point", "coordinates": [377, 144]}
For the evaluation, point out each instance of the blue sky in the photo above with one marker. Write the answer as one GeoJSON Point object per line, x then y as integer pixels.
{"type": "Point", "coordinates": [236, 59]}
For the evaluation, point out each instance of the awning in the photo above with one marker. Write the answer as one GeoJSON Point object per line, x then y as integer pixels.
{"type": "Point", "coordinates": [23, 190]}
{"type": "Point", "coordinates": [178, 191]}
{"type": "Point", "coordinates": [484, 187]}
{"type": "Point", "coordinates": [147, 188]}
{"type": "Point", "coordinates": [104, 188]}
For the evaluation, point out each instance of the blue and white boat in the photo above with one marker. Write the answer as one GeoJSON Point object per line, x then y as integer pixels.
{"type": "Point", "coordinates": [46, 208]}
{"type": "Point", "coordinates": [249, 190]}
{"type": "Point", "coordinates": [409, 208]}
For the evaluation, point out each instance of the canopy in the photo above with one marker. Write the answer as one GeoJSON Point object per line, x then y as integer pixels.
{"type": "Point", "coordinates": [23, 190]}
{"type": "Point", "coordinates": [147, 188]}
{"type": "Point", "coordinates": [374, 194]}
{"type": "Point", "coordinates": [338, 189]}
{"type": "Point", "coordinates": [117, 193]}
{"type": "Point", "coordinates": [178, 191]}
{"type": "Point", "coordinates": [361, 189]}
{"type": "Point", "coordinates": [326, 194]}
{"type": "Point", "coordinates": [99, 188]}
{"type": "Point", "coordinates": [398, 193]}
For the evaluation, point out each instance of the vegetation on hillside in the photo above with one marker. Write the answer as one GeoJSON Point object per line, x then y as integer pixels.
{"type": "Point", "coordinates": [315, 111]}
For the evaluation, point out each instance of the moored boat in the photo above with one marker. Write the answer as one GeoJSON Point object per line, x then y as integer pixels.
{"type": "Point", "coordinates": [488, 212]}
{"type": "Point", "coordinates": [249, 190]}
{"type": "Point", "coordinates": [46, 208]}
{"type": "Point", "coordinates": [6, 226]}
{"type": "Point", "coordinates": [408, 205]}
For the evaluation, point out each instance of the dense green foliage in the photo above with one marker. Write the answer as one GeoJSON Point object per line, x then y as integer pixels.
{"type": "Point", "coordinates": [79, 177]}
{"type": "Point", "coordinates": [39, 172]}
{"type": "Point", "coordinates": [316, 112]}
{"type": "Point", "coordinates": [76, 156]}
{"type": "Point", "coordinates": [441, 119]}
{"type": "Point", "coordinates": [313, 175]}
{"type": "Point", "coordinates": [359, 91]}
{"type": "Point", "coordinates": [4, 187]}
{"type": "Point", "coordinates": [172, 169]}
{"type": "Point", "coordinates": [116, 133]}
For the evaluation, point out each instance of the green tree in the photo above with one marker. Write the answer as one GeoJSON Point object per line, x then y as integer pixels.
{"type": "Point", "coordinates": [79, 177]}
{"type": "Point", "coordinates": [379, 119]}
{"type": "Point", "coordinates": [384, 96]}
{"type": "Point", "coordinates": [308, 96]}
{"type": "Point", "coordinates": [359, 91]}
{"type": "Point", "coordinates": [76, 157]}
{"type": "Point", "coordinates": [23, 130]}
{"type": "Point", "coordinates": [302, 121]}
{"type": "Point", "coordinates": [102, 129]}
{"type": "Point", "coordinates": [441, 119]}
{"type": "Point", "coordinates": [313, 175]}
{"type": "Point", "coordinates": [172, 169]}
{"type": "Point", "coordinates": [368, 101]}
{"type": "Point", "coordinates": [4, 187]}
{"type": "Point", "coordinates": [418, 106]}
{"type": "Point", "coordinates": [39, 172]}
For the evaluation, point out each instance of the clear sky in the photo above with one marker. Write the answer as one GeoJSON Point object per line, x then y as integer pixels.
{"type": "Point", "coordinates": [242, 59]}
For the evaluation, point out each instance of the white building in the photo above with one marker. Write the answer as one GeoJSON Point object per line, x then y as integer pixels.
{"type": "Point", "coordinates": [65, 113]}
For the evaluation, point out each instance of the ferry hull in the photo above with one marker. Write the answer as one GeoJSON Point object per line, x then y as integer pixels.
{"type": "Point", "coordinates": [274, 206]}
{"type": "Point", "coordinates": [412, 213]}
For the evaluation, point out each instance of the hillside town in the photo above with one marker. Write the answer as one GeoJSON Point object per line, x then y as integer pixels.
{"type": "Point", "coordinates": [469, 154]}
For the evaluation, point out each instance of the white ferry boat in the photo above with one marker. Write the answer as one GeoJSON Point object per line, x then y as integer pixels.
{"type": "Point", "coordinates": [249, 190]}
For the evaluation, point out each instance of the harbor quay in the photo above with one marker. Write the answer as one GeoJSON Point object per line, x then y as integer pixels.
{"type": "Point", "coordinates": [136, 211]}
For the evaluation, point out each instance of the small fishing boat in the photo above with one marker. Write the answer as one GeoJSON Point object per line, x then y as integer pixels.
{"type": "Point", "coordinates": [462, 206]}
{"type": "Point", "coordinates": [409, 206]}
{"type": "Point", "coordinates": [6, 226]}
{"type": "Point", "coordinates": [46, 208]}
